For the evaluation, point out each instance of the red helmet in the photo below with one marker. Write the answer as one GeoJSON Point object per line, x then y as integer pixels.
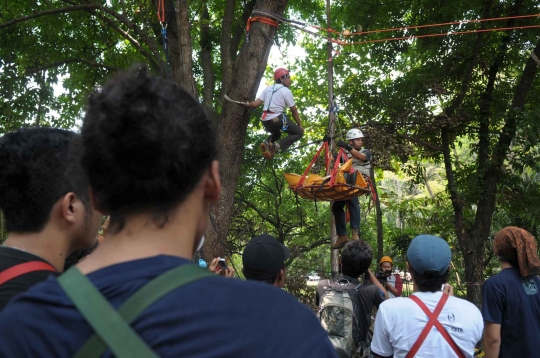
{"type": "Point", "coordinates": [280, 72]}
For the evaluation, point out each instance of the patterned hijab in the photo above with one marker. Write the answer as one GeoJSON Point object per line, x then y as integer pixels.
{"type": "Point", "coordinates": [518, 245]}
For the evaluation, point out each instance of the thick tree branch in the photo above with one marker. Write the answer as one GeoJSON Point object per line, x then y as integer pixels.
{"type": "Point", "coordinates": [301, 249]}
{"type": "Point", "coordinates": [225, 43]}
{"type": "Point", "coordinates": [209, 79]}
{"type": "Point", "coordinates": [239, 29]}
{"type": "Point", "coordinates": [487, 97]}
{"type": "Point", "coordinates": [61, 10]}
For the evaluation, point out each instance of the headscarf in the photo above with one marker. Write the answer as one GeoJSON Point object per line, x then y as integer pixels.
{"type": "Point", "coordinates": [518, 245]}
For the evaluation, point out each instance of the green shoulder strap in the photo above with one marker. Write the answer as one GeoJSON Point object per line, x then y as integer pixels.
{"type": "Point", "coordinates": [137, 303]}
{"type": "Point", "coordinates": [103, 318]}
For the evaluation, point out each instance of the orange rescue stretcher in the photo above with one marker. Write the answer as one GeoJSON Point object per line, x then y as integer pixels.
{"type": "Point", "coordinates": [343, 183]}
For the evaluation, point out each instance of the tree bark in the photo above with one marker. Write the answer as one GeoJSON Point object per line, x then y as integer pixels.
{"type": "Point", "coordinates": [226, 59]}
{"type": "Point", "coordinates": [209, 79]}
{"type": "Point", "coordinates": [378, 210]}
{"type": "Point", "coordinates": [233, 124]}
{"type": "Point", "coordinates": [184, 73]}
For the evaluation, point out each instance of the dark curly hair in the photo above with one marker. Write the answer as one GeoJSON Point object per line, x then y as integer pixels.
{"type": "Point", "coordinates": [356, 258]}
{"type": "Point", "coordinates": [147, 142]}
{"type": "Point", "coordinates": [429, 281]}
{"type": "Point", "coordinates": [39, 166]}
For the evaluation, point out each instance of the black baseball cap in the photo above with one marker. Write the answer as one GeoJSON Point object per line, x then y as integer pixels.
{"type": "Point", "coordinates": [264, 257]}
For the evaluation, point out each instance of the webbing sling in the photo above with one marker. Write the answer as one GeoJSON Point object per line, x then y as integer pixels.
{"type": "Point", "coordinates": [24, 268]}
{"type": "Point", "coordinates": [433, 321]}
{"type": "Point", "coordinates": [265, 112]}
{"type": "Point", "coordinates": [143, 298]}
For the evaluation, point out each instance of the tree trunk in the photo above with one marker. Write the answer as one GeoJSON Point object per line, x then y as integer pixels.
{"type": "Point", "coordinates": [233, 123]}
{"type": "Point", "coordinates": [486, 205]}
{"type": "Point", "coordinates": [184, 73]}
{"type": "Point", "coordinates": [377, 203]}
{"type": "Point", "coordinates": [206, 59]}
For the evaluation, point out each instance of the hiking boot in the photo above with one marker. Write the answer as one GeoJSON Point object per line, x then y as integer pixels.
{"type": "Point", "coordinates": [341, 241]}
{"type": "Point", "coordinates": [355, 235]}
{"type": "Point", "coordinates": [266, 150]}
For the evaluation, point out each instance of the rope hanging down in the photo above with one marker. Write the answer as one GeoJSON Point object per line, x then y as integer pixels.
{"type": "Point", "coordinates": [164, 22]}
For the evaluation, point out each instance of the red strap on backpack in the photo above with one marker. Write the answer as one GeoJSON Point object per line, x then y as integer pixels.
{"type": "Point", "coordinates": [24, 268]}
{"type": "Point", "coordinates": [433, 322]}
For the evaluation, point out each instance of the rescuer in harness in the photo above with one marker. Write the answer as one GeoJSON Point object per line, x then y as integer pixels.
{"type": "Point", "coordinates": [277, 98]}
{"type": "Point", "coordinates": [361, 163]}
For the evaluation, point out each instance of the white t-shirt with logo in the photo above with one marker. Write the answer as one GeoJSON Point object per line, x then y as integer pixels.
{"type": "Point", "coordinates": [400, 321]}
{"type": "Point", "coordinates": [281, 99]}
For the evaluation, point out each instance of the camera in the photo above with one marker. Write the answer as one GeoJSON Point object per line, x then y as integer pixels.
{"type": "Point", "coordinates": [381, 276]}
{"type": "Point", "coordinates": [222, 264]}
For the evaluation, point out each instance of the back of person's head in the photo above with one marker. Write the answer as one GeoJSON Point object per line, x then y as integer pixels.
{"type": "Point", "coordinates": [147, 143]}
{"type": "Point", "coordinates": [356, 257]}
{"type": "Point", "coordinates": [264, 258]}
{"type": "Point", "coordinates": [517, 247]}
{"type": "Point", "coordinates": [429, 262]}
{"type": "Point", "coordinates": [39, 166]}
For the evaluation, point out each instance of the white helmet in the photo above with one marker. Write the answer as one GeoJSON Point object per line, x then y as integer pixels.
{"type": "Point", "coordinates": [354, 133]}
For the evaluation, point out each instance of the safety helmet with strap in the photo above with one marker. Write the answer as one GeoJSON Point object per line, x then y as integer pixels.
{"type": "Point", "coordinates": [280, 72]}
{"type": "Point", "coordinates": [354, 134]}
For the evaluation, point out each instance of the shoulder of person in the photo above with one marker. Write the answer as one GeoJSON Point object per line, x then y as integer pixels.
{"type": "Point", "coordinates": [396, 305]}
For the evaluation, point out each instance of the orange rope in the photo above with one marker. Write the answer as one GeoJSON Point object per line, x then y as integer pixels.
{"type": "Point", "coordinates": [161, 11]}
{"type": "Point", "coordinates": [343, 43]}
{"type": "Point", "coordinates": [425, 26]}
{"type": "Point", "coordinates": [264, 20]}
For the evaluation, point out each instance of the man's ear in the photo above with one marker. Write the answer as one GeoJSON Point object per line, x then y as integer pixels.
{"type": "Point", "coordinates": [280, 278]}
{"type": "Point", "coordinates": [70, 205]}
{"type": "Point", "coordinates": [213, 182]}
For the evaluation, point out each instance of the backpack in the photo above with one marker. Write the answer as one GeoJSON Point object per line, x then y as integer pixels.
{"type": "Point", "coordinates": [338, 313]}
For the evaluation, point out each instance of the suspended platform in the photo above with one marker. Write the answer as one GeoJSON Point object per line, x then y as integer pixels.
{"type": "Point", "coordinates": [343, 183]}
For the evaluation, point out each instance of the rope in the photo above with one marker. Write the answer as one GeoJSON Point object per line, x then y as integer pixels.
{"type": "Point", "coordinates": [348, 33]}
{"type": "Point", "coordinates": [264, 20]}
{"type": "Point", "coordinates": [435, 35]}
{"type": "Point", "coordinates": [163, 21]}
{"type": "Point", "coordinates": [302, 26]}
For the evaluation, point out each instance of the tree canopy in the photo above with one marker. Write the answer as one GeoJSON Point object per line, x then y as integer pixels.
{"type": "Point", "coordinates": [448, 111]}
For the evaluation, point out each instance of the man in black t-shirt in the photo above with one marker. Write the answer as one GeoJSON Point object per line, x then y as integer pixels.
{"type": "Point", "coordinates": [45, 201]}
{"type": "Point", "coordinates": [355, 260]}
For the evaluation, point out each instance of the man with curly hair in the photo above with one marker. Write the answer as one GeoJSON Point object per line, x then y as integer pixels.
{"type": "Point", "coordinates": [356, 258]}
{"type": "Point", "coordinates": [44, 195]}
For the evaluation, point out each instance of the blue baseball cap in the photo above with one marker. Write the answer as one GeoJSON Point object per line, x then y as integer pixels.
{"type": "Point", "coordinates": [429, 253]}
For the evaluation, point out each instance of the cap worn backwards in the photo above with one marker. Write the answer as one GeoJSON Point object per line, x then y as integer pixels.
{"type": "Point", "coordinates": [264, 257]}
{"type": "Point", "coordinates": [428, 253]}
